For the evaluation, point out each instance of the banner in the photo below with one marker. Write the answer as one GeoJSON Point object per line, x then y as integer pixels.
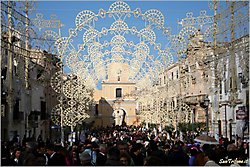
{"type": "Point", "coordinates": [241, 113]}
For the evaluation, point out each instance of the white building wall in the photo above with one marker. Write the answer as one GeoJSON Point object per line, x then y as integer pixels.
{"type": "Point", "coordinates": [37, 94]}
{"type": "Point", "coordinates": [224, 98]}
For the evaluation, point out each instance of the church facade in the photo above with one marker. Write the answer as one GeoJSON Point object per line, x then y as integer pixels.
{"type": "Point", "coordinates": [114, 103]}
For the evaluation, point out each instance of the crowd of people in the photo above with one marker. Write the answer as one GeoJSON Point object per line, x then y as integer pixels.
{"type": "Point", "coordinates": [129, 146]}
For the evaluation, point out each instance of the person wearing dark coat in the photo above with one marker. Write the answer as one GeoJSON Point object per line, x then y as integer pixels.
{"type": "Point", "coordinates": [16, 160]}
{"type": "Point", "coordinates": [177, 157]}
{"type": "Point", "coordinates": [113, 157]}
{"type": "Point", "coordinates": [136, 154]}
{"type": "Point", "coordinates": [31, 156]}
{"type": "Point", "coordinates": [101, 156]}
{"type": "Point", "coordinates": [55, 159]}
{"type": "Point", "coordinates": [85, 159]}
{"type": "Point", "coordinates": [156, 152]}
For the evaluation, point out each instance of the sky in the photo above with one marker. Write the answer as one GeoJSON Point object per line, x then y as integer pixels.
{"type": "Point", "coordinates": [173, 11]}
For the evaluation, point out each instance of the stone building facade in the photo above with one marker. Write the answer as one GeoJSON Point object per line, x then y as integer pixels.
{"type": "Point", "coordinates": [202, 73]}
{"type": "Point", "coordinates": [114, 103]}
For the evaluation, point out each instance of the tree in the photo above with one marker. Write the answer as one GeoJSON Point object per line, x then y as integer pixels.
{"type": "Point", "coordinates": [195, 127]}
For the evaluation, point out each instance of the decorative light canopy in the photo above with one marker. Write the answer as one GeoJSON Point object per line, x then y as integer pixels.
{"type": "Point", "coordinates": [139, 39]}
{"type": "Point", "coordinates": [147, 48]}
{"type": "Point", "coordinates": [121, 41]}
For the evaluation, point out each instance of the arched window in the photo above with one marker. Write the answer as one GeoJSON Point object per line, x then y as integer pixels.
{"type": "Point", "coordinates": [118, 92]}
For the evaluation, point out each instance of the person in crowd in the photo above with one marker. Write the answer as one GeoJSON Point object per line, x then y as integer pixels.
{"type": "Point", "coordinates": [30, 155]}
{"type": "Point", "coordinates": [123, 147]}
{"type": "Point", "coordinates": [193, 154]}
{"type": "Point", "coordinates": [166, 149]}
{"type": "Point", "coordinates": [136, 154]}
{"type": "Point", "coordinates": [55, 159]}
{"type": "Point", "coordinates": [16, 160]}
{"type": "Point", "coordinates": [63, 151]}
{"type": "Point", "coordinates": [157, 151]}
{"type": "Point", "coordinates": [125, 159]}
{"type": "Point", "coordinates": [152, 161]}
{"type": "Point", "coordinates": [238, 142]}
{"type": "Point", "coordinates": [39, 139]}
{"type": "Point", "coordinates": [128, 145]}
{"type": "Point", "coordinates": [113, 157]}
{"type": "Point", "coordinates": [74, 158]}
{"type": "Point", "coordinates": [40, 153]}
{"type": "Point", "coordinates": [209, 158]}
{"type": "Point", "coordinates": [95, 150]}
{"type": "Point", "coordinates": [85, 159]}
{"type": "Point", "coordinates": [5, 153]}
{"type": "Point", "coordinates": [177, 157]}
{"type": "Point", "coordinates": [88, 147]}
{"type": "Point", "coordinates": [101, 156]}
{"type": "Point", "coordinates": [244, 150]}
{"type": "Point", "coordinates": [15, 139]}
{"type": "Point", "coordinates": [200, 159]}
{"type": "Point", "coordinates": [232, 154]}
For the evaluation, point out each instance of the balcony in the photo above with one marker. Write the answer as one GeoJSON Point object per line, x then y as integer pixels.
{"type": "Point", "coordinates": [194, 99]}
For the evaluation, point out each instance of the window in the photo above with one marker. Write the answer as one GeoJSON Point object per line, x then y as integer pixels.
{"type": "Point", "coordinates": [118, 92]}
{"type": "Point", "coordinates": [231, 83]}
{"type": "Point", "coordinates": [172, 75]}
{"type": "Point", "coordinates": [43, 110]}
{"type": "Point", "coordinates": [16, 110]}
{"type": "Point", "coordinates": [119, 78]}
{"type": "Point", "coordinates": [225, 86]}
{"type": "Point", "coordinates": [177, 74]}
{"type": "Point", "coordinates": [220, 82]}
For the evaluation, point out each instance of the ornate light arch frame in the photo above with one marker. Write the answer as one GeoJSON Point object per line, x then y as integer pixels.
{"type": "Point", "coordinates": [145, 56]}
{"type": "Point", "coordinates": [101, 46]}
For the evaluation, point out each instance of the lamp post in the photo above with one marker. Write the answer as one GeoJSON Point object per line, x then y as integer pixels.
{"type": "Point", "coordinates": [206, 104]}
